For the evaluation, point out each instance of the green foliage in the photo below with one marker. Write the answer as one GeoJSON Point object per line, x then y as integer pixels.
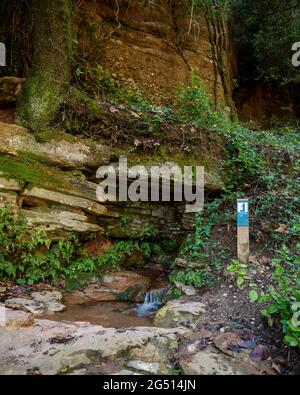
{"type": "Point", "coordinates": [194, 106]}
{"type": "Point", "coordinates": [283, 295]}
{"type": "Point", "coordinates": [197, 278]}
{"type": "Point", "coordinates": [244, 161]}
{"type": "Point", "coordinates": [264, 32]}
{"type": "Point", "coordinates": [149, 231]}
{"type": "Point", "coordinates": [204, 221]}
{"type": "Point", "coordinates": [35, 258]}
{"type": "Point", "coordinates": [194, 250]}
{"type": "Point", "coordinates": [124, 219]}
{"type": "Point", "coordinates": [96, 81]}
{"type": "Point", "coordinates": [31, 259]}
{"type": "Point", "coordinates": [282, 299]}
{"type": "Point", "coordinates": [241, 272]}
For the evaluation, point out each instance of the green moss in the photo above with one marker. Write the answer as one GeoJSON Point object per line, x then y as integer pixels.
{"type": "Point", "coordinates": [78, 97]}
{"type": "Point", "coordinates": [214, 167]}
{"type": "Point", "coordinates": [36, 111]}
{"type": "Point", "coordinates": [79, 111]}
{"type": "Point", "coordinates": [54, 135]}
{"type": "Point", "coordinates": [30, 171]}
{"type": "Point", "coordinates": [49, 77]}
{"type": "Point", "coordinates": [29, 157]}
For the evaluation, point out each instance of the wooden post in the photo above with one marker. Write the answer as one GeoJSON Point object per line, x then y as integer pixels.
{"type": "Point", "coordinates": [2, 55]}
{"type": "Point", "coordinates": [243, 230]}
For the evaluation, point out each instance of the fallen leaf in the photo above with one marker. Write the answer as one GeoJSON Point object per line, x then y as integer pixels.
{"type": "Point", "coordinates": [253, 259]}
{"type": "Point", "coordinates": [137, 142]}
{"type": "Point", "coordinates": [134, 114]}
{"type": "Point", "coordinates": [113, 109]}
{"type": "Point", "coordinates": [282, 229]}
{"type": "Point", "coordinates": [276, 367]}
{"type": "Point", "coordinates": [259, 354]}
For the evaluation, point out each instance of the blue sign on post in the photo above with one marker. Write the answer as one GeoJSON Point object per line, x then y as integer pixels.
{"type": "Point", "coordinates": [243, 212]}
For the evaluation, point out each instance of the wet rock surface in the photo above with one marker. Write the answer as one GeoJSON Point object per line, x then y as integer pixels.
{"type": "Point", "coordinates": [181, 312]}
{"type": "Point", "coordinates": [38, 302]}
{"type": "Point", "coordinates": [120, 285]}
{"type": "Point", "coordinates": [187, 338]}
{"type": "Point", "coordinates": [64, 348]}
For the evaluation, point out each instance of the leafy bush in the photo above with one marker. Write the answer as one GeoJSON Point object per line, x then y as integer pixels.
{"type": "Point", "coordinates": [284, 294]}
{"type": "Point", "coordinates": [30, 259]}
{"type": "Point", "coordinates": [265, 51]}
{"type": "Point", "coordinates": [197, 278]}
{"type": "Point", "coordinates": [194, 106]}
{"type": "Point", "coordinates": [282, 299]}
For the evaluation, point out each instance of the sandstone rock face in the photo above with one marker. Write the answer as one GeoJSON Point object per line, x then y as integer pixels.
{"type": "Point", "coordinates": [155, 48]}
{"type": "Point", "coordinates": [64, 348]}
{"type": "Point", "coordinates": [212, 362]}
{"type": "Point", "coordinates": [63, 150]}
{"type": "Point", "coordinates": [179, 313]}
{"type": "Point", "coordinates": [39, 303]}
{"type": "Point", "coordinates": [15, 319]}
{"type": "Point", "coordinates": [188, 290]}
{"type": "Point", "coordinates": [37, 178]}
{"type": "Point", "coordinates": [121, 285]}
{"type": "Point", "coordinates": [66, 200]}
{"type": "Point", "coordinates": [50, 299]}
{"type": "Point", "coordinates": [25, 304]}
{"type": "Point", "coordinates": [98, 246]}
{"type": "Point", "coordinates": [228, 354]}
{"type": "Point", "coordinates": [146, 367]}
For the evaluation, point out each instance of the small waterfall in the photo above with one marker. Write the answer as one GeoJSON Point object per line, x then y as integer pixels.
{"type": "Point", "coordinates": [152, 301]}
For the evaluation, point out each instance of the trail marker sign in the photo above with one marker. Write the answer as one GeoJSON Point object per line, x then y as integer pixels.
{"type": "Point", "coordinates": [243, 249]}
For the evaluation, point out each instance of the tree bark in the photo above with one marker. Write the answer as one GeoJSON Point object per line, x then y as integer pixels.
{"type": "Point", "coordinates": [50, 72]}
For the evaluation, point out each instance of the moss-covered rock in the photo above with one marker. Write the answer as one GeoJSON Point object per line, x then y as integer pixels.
{"type": "Point", "coordinates": [53, 148]}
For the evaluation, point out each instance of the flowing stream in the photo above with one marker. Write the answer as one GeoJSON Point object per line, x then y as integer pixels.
{"type": "Point", "coordinates": [152, 302]}
{"type": "Point", "coordinates": [113, 314]}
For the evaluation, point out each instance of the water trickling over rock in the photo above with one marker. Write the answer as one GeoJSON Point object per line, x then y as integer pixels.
{"type": "Point", "coordinates": [152, 301]}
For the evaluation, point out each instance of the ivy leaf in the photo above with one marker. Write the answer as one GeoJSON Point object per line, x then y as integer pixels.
{"type": "Point", "coordinates": [291, 341]}
{"type": "Point", "coordinates": [253, 296]}
{"type": "Point", "coordinates": [279, 270]}
{"type": "Point", "coordinates": [239, 281]}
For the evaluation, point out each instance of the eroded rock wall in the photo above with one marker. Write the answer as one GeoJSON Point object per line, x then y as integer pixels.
{"type": "Point", "coordinates": [152, 45]}
{"type": "Point", "coordinates": [43, 183]}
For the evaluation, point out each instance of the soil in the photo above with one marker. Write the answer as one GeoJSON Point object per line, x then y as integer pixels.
{"type": "Point", "coordinates": [230, 310]}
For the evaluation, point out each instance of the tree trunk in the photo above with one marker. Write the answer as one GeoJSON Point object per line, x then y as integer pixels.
{"type": "Point", "coordinates": [50, 72]}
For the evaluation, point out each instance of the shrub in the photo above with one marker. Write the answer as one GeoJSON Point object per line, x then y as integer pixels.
{"type": "Point", "coordinates": [30, 259]}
